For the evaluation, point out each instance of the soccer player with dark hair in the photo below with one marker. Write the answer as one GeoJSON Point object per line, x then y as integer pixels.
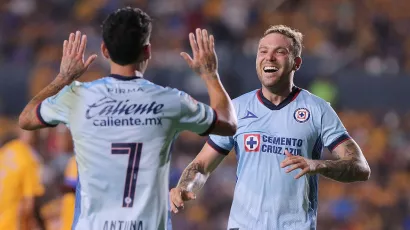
{"type": "Point", "coordinates": [123, 125]}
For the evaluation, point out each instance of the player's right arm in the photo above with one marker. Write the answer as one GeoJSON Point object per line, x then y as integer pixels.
{"type": "Point", "coordinates": [197, 172]}
{"type": "Point", "coordinates": [205, 64]}
{"type": "Point", "coordinates": [351, 164]}
{"type": "Point", "coordinates": [72, 67]}
{"type": "Point", "coordinates": [194, 176]}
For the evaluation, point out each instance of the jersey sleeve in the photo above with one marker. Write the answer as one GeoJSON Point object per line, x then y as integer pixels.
{"type": "Point", "coordinates": [195, 116]}
{"type": "Point", "coordinates": [332, 130]}
{"type": "Point", "coordinates": [221, 144]}
{"type": "Point", "coordinates": [55, 109]}
{"type": "Point", "coordinates": [70, 174]}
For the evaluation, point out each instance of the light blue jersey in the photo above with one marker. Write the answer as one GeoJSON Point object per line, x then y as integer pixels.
{"type": "Point", "coordinates": [266, 197]}
{"type": "Point", "coordinates": [123, 129]}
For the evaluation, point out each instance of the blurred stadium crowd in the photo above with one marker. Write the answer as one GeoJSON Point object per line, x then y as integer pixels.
{"type": "Point", "coordinates": [369, 36]}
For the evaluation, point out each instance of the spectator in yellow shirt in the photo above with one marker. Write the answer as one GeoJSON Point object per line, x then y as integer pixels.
{"type": "Point", "coordinates": [20, 182]}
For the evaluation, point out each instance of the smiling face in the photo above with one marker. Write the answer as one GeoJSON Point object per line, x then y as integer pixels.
{"type": "Point", "coordinates": [275, 61]}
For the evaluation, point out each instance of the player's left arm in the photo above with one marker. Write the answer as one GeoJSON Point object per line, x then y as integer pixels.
{"type": "Point", "coordinates": [350, 165]}
{"type": "Point", "coordinates": [29, 119]}
{"type": "Point", "coordinates": [72, 67]}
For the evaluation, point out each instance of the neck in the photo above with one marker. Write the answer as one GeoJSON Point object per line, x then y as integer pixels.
{"type": "Point", "coordinates": [276, 96]}
{"type": "Point", "coordinates": [128, 70]}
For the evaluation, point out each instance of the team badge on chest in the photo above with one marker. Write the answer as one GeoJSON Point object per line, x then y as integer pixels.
{"type": "Point", "coordinates": [301, 115]}
{"type": "Point", "coordinates": [252, 142]}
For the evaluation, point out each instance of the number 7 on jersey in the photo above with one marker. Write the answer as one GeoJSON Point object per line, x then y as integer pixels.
{"type": "Point", "coordinates": [134, 152]}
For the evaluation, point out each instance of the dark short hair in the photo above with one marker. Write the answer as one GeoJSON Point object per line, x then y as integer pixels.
{"type": "Point", "coordinates": [125, 32]}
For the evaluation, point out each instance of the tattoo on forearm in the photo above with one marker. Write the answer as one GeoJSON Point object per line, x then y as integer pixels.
{"type": "Point", "coordinates": [348, 167]}
{"type": "Point", "coordinates": [193, 177]}
{"type": "Point", "coordinates": [29, 112]}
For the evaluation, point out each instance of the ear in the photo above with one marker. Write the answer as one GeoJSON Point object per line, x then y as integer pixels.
{"type": "Point", "coordinates": [146, 52]}
{"type": "Point", "coordinates": [298, 63]}
{"type": "Point", "coordinates": [104, 51]}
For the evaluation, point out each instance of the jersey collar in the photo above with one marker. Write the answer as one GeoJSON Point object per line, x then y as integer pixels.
{"type": "Point", "coordinates": [126, 78]}
{"type": "Point", "coordinates": [292, 96]}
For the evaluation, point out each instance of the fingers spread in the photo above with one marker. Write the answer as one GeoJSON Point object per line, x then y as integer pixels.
{"type": "Point", "coordinates": [295, 166]}
{"type": "Point", "coordinates": [288, 162]}
{"type": "Point", "coordinates": [65, 44]}
{"type": "Point", "coordinates": [205, 40]}
{"type": "Point", "coordinates": [83, 45]}
{"type": "Point", "coordinates": [199, 40]}
{"type": "Point", "coordinates": [76, 42]}
{"type": "Point", "coordinates": [194, 45]}
{"type": "Point", "coordinates": [301, 173]}
{"type": "Point", "coordinates": [187, 58]}
{"type": "Point", "coordinates": [90, 60]}
{"type": "Point", "coordinates": [70, 44]}
{"type": "Point", "coordinates": [212, 43]}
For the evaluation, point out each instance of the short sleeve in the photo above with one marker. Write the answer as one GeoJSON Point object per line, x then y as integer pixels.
{"type": "Point", "coordinates": [195, 116]}
{"type": "Point", "coordinates": [71, 175]}
{"type": "Point", "coordinates": [222, 144]}
{"type": "Point", "coordinates": [332, 130]}
{"type": "Point", "coordinates": [56, 109]}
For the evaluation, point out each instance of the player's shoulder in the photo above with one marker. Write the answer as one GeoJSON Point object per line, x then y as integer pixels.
{"type": "Point", "coordinates": [72, 88]}
{"type": "Point", "coordinates": [312, 99]}
{"type": "Point", "coordinates": [169, 90]}
{"type": "Point", "coordinates": [245, 98]}
{"type": "Point", "coordinates": [174, 93]}
{"type": "Point", "coordinates": [86, 85]}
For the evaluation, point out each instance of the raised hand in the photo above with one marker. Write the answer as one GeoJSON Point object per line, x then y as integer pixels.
{"type": "Point", "coordinates": [204, 61]}
{"type": "Point", "coordinates": [72, 64]}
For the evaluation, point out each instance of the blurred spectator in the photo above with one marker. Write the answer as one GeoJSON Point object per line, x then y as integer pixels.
{"type": "Point", "coordinates": [20, 178]}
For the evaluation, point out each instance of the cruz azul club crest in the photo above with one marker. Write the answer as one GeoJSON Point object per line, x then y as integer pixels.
{"type": "Point", "coordinates": [301, 115]}
{"type": "Point", "coordinates": [252, 142]}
